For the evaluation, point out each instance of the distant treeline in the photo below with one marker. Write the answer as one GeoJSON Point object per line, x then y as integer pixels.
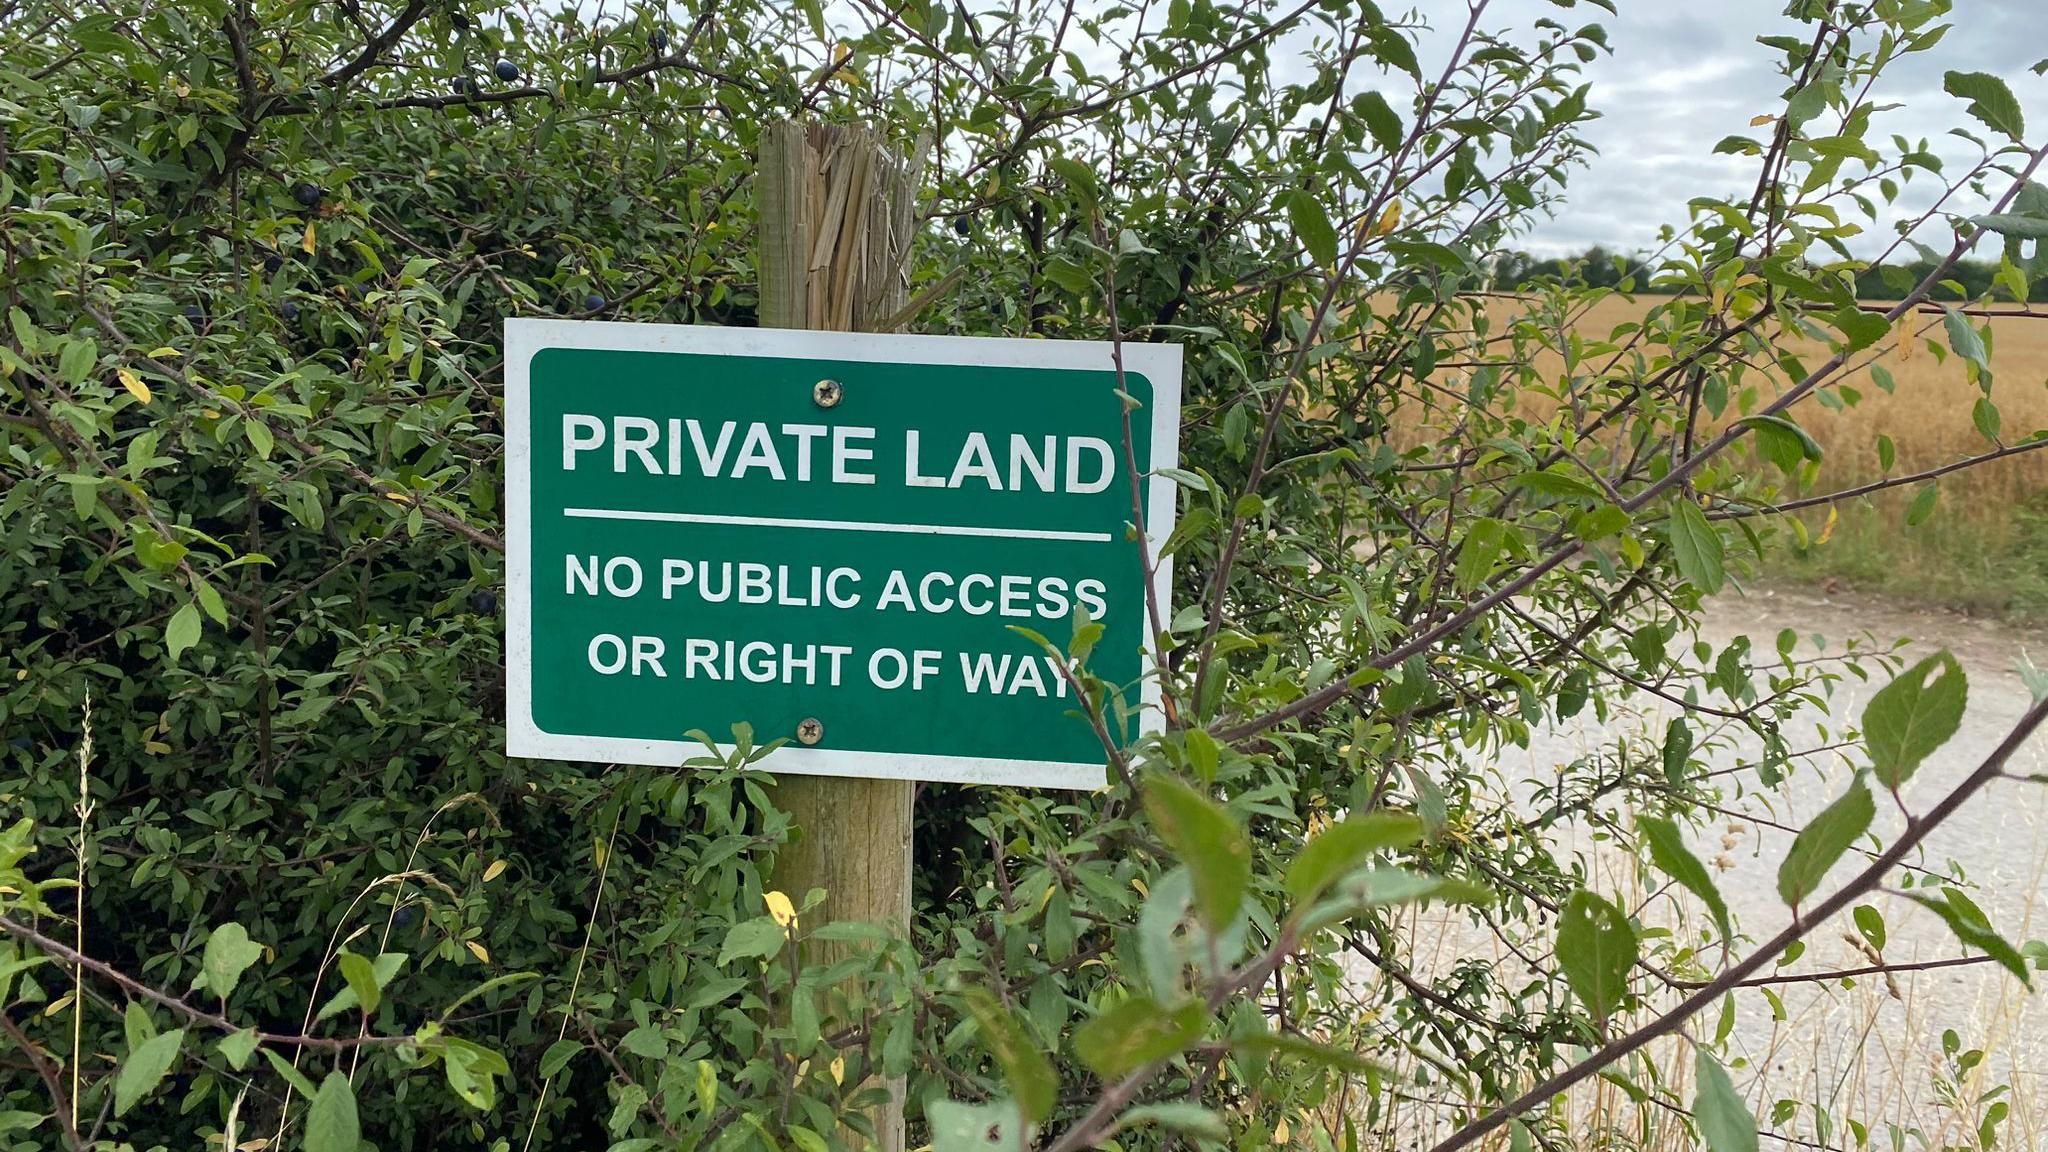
{"type": "Point", "coordinates": [1602, 267]}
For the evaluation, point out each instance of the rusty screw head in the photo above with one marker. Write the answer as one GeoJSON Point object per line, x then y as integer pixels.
{"type": "Point", "coordinates": [826, 393]}
{"type": "Point", "coordinates": [809, 730]}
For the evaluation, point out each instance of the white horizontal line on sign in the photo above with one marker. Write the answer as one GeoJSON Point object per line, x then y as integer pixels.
{"type": "Point", "coordinates": [837, 525]}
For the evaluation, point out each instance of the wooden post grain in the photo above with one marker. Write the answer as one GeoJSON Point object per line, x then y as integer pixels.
{"type": "Point", "coordinates": [835, 228]}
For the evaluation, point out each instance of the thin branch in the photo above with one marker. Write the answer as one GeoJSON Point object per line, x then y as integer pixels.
{"type": "Point", "coordinates": [1864, 882]}
{"type": "Point", "coordinates": [134, 987]}
{"type": "Point", "coordinates": [1742, 512]}
{"type": "Point", "coordinates": [47, 1070]}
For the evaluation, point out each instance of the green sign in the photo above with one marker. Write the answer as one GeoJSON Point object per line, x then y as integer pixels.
{"type": "Point", "coordinates": [834, 537]}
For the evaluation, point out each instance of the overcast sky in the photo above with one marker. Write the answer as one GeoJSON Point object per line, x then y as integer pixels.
{"type": "Point", "coordinates": [1685, 73]}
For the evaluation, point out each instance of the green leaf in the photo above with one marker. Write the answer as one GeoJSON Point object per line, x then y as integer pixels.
{"type": "Point", "coordinates": [1596, 947]}
{"type": "Point", "coordinates": [1984, 414]}
{"type": "Point", "coordinates": [1344, 846]}
{"type": "Point", "coordinates": [385, 967]}
{"type": "Point", "coordinates": [1781, 441]}
{"type": "Point", "coordinates": [758, 938]}
{"type": "Point", "coordinates": [1312, 226]}
{"type": "Point", "coordinates": [183, 630]}
{"type": "Point", "coordinates": [1677, 751]}
{"type": "Point", "coordinates": [1573, 693]}
{"type": "Point", "coordinates": [1135, 1033]}
{"type": "Point", "coordinates": [1669, 853]}
{"type": "Point", "coordinates": [362, 980]}
{"type": "Point", "coordinates": [1963, 338]}
{"type": "Point", "coordinates": [1208, 841]}
{"type": "Point", "coordinates": [470, 1068]}
{"type": "Point", "coordinates": [2024, 227]}
{"type": "Point", "coordinates": [229, 952]}
{"type": "Point", "coordinates": [145, 1068]}
{"type": "Point", "coordinates": [1821, 843]}
{"type": "Point", "coordinates": [626, 1109]}
{"type": "Point", "coordinates": [1026, 1071]}
{"type": "Point", "coordinates": [1922, 506]}
{"type": "Point", "coordinates": [1272, 1044]}
{"type": "Point", "coordinates": [1870, 925]}
{"type": "Point", "coordinates": [331, 1124]}
{"type": "Point", "coordinates": [1973, 928]}
{"type": "Point", "coordinates": [1914, 715]}
{"type": "Point", "coordinates": [1696, 547]}
{"type": "Point", "coordinates": [1861, 329]}
{"type": "Point", "coordinates": [209, 600]}
{"type": "Point", "coordinates": [1391, 48]}
{"type": "Point", "coordinates": [1380, 120]}
{"type": "Point", "coordinates": [75, 363]}
{"type": "Point", "coordinates": [957, 1127]}
{"type": "Point", "coordinates": [238, 1047]}
{"type": "Point", "coordinates": [1478, 552]}
{"type": "Point", "coordinates": [136, 1025]}
{"type": "Point", "coordinates": [1990, 101]}
{"type": "Point", "coordinates": [1180, 1116]}
{"type": "Point", "coordinates": [1725, 1120]}
{"type": "Point", "coordinates": [558, 1055]}
{"type": "Point", "coordinates": [289, 1074]}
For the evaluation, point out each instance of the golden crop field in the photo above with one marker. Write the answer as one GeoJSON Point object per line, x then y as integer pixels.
{"type": "Point", "coordinates": [1927, 415]}
{"type": "Point", "coordinates": [1986, 548]}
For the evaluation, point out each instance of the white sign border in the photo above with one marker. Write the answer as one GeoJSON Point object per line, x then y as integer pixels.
{"type": "Point", "coordinates": [1159, 363]}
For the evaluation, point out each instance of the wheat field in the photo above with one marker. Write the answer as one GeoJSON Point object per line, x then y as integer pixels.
{"type": "Point", "coordinates": [1928, 415]}
{"type": "Point", "coordinates": [1986, 547]}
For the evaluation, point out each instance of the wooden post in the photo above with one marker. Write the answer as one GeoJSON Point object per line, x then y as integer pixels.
{"type": "Point", "coordinates": [835, 218]}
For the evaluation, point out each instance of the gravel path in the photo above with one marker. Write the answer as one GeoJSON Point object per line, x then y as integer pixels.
{"type": "Point", "coordinates": [1873, 1051]}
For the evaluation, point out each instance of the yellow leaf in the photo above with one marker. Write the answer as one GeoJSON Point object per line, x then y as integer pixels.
{"type": "Point", "coordinates": [307, 242]}
{"type": "Point", "coordinates": [61, 1003]}
{"type": "Point", "coordinates": [1905, 333]}
{"type": "Point", "coordinates": [496, 869]}
{"type": "Point", "coordinates": [166, 350]}
{"type": "Point", "coordinates": [1281, 1132]}
{"type": "Point", "coordinates": [1389, 220]}
{"type": "Point", "coordinates": [781, 909]}
{"type": "Point", "coordinates": [1758, 121]}
{"type": "Point", "coordinates": [1827, 530]}
{"type": "Point", "coordinates": [1140, 886]}
{"type": "Point", "coordinates": [157, 748]}
{"type": "Point", "coordinates": [133, 384]}
{"type": "Point", "coordinates": [838, 1069]}
{"type": "Point", "coordinates": [478, 950]}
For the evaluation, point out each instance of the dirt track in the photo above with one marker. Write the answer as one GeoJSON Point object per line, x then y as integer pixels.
{"type": "Point", "coordinates": [1999, 843]}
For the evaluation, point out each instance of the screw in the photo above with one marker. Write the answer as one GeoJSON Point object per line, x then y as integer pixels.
{"type": "Point", "coordinates": [826, 393]}
{"type": "Point", "coordinates": [809, 730]}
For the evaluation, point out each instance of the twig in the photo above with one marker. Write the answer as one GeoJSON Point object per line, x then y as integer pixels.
{"type": "Point", "coordinates": [108, 972]}
{"type": "Point", "coordinates": [1916, 831]}
{"type": "Point", "coordinates": [59, 1104]}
